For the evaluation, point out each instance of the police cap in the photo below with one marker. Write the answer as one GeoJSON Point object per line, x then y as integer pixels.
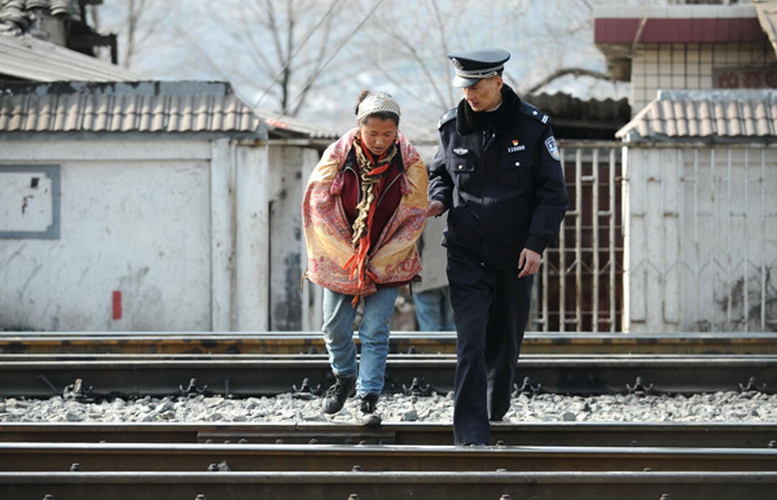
{"type": "Point", "coordinates": [474, 65]}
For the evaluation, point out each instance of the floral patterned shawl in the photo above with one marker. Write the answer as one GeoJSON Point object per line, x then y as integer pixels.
{"type": "Point", "coordinates": [328, 234]}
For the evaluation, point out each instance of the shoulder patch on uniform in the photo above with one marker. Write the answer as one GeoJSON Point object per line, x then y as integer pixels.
{"type": "Point", "coordinates": [552, 146]}
{"type": "Point", "coordinates": [533, 112]}
{"type": "Point", "coordinates": [450, 115]}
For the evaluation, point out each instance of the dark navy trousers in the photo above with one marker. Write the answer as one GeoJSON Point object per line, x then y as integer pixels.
{"type": "Point", "coordinates": [490, 308]}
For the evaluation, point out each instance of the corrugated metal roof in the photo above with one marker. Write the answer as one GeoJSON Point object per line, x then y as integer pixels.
{"type": "Point", "coordinates": [705, 114]}
{"type": "Point", "coordinates": [175, 107]}
{"type": "Point", "coordinates": [574, 118]}
{"type": "Point", "coordinates": [283, 126]}
{"type": "Point", "coordinates": [26, 58]}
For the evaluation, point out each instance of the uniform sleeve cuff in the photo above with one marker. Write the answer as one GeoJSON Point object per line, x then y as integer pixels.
{"type": "Point", "coordinates": [536, 244]}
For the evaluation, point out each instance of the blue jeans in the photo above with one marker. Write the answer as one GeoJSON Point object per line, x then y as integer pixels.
{"type": "Point", "coordinates": [339, 315]}
{"type": "Point", "coordinates": [433, 310]}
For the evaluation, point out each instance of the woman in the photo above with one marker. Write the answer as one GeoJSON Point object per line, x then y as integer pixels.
{"type": "Point", "coordinates": [363, 210]}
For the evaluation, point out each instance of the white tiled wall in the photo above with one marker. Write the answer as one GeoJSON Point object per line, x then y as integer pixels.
{"type": "Point", "coordinates": [689, 66]}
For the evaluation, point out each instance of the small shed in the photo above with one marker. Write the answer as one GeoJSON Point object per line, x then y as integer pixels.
{"type": "Point", "coordinates": [149, 206]}
{"type": "Point", "coordinates": [700, 226]}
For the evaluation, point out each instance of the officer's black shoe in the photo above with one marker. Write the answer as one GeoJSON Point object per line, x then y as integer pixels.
{"type": "Point", "coordinates": [335, 396]}
{"type": "Point", "coordinates": [367, 407]}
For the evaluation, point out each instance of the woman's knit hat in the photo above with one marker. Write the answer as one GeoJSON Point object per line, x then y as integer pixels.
{"type": "Point", "coordinates": [377, 103]}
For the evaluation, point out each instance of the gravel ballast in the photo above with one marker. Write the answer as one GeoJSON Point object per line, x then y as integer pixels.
{"type": "Point", "coordinates": [287, 408]}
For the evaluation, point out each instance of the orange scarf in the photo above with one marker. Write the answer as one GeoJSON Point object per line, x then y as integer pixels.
{"type": "Point", "coordinates": [371, 171]}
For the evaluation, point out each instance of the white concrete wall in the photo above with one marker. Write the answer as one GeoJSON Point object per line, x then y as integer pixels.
{"type": "Point", "coordinates": [252, 242]}
{"type": "Point", "coordinates": [291, 168]}
{"type": "Point", "coordinates": [132, 221]}
{"type": "Point", "coordinates": [700, 239]}
{"type": "Point", "coordinates": [312, 295]}
{"type": "Point", "coordinates": [180, 229]}
{"type": "Point", "coordinates": [222, 245]}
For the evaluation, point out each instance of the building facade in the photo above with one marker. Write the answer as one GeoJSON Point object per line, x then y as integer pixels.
{"type": "Point", "coordinates": [698, 164]}
{"type": "Point", "coordinates": [159, 206]}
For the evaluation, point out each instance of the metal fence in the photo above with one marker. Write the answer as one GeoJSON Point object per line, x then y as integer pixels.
{"type": "Point", "coordinates": [580, 287]}
{"type": "Point", "coordinates": [671, 237]}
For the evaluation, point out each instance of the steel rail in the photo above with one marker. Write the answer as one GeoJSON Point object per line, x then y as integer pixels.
{"type": "Point", "coordinates": [713, 434]}
{"type": "Point", "coordinates": [442, 485]}
{"type": "Point", "coordinates": [251, 375]}
{"type": "Point", "coordinates": [101, 457]}
{"type": "Point", "coordinates": [400, 342]}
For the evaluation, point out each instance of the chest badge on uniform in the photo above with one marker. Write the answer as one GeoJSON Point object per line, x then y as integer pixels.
{"type": "Point", "coordinates": [552, 146]}
{"type": "Point", "coordinates": [516, 146]}
{"type": "Point", "coordinates": [461, 151]}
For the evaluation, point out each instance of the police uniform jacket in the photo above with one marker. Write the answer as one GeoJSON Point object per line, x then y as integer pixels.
{"type": "Point", "coordinates": [499, 175]}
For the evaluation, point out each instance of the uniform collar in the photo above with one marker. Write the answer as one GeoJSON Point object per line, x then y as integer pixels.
{"type": "Point", "coordinates": [501, 119]}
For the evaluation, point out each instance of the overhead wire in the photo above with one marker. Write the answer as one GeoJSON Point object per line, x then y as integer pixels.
{"type": "Point", "coordinates": [297, 50]}
{"type": "Point", "coordinates": [331, 57]}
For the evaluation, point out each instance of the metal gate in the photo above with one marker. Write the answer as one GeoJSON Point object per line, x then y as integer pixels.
{"type": "Point", "coordinates": [672, 238]}
{"type": "Point", "coordinates": [580, 286]}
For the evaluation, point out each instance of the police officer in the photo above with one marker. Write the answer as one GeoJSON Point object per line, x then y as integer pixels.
{"type": "Point", "coordinates": [497, 173]}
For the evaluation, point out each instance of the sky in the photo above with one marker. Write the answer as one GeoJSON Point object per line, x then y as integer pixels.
{"type": "Point", "coordinates": [397, 46]}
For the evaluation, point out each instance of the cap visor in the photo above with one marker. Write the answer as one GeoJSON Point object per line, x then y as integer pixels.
{"type": "Point", "coordinates": [461, 82]}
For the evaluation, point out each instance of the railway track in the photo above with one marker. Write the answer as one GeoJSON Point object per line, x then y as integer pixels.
{"type": "Point", "coordinates": [245, 457]}
{"type": "Point", "coordinates": [602, 434]}
{"type": "Point", "coordinates": [360, 485]}
{"type": "Point", "coordinates": [693, 343]}
{"type": "Point", "coordinates": [399, 460]}
{"type": "Point", "coordinates": [251, 375]}
{"type": "Point", "coordinates": [145, 471]}
{"type": "Point", "coordinates": [241, 470]}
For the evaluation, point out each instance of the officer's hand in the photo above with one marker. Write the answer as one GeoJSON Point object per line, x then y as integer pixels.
{"type": "Point", "coordinates": [528, 262]}
{"type": "Point", "coordinates": [435, 208]}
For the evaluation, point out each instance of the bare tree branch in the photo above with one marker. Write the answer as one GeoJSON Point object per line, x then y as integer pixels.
{"type": "Point", "coordinates": [303, 93]}
{"type": "Point", "coordinates": [282, 51]}
{"type": "Point", "coordinates": [441, 27]}
{"type": "Point", "coordinates": [387, 33]}
{"type": "Point", "coordinates": [142, 22]}
{"type": "Point", "coordinates": [577, 72]}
